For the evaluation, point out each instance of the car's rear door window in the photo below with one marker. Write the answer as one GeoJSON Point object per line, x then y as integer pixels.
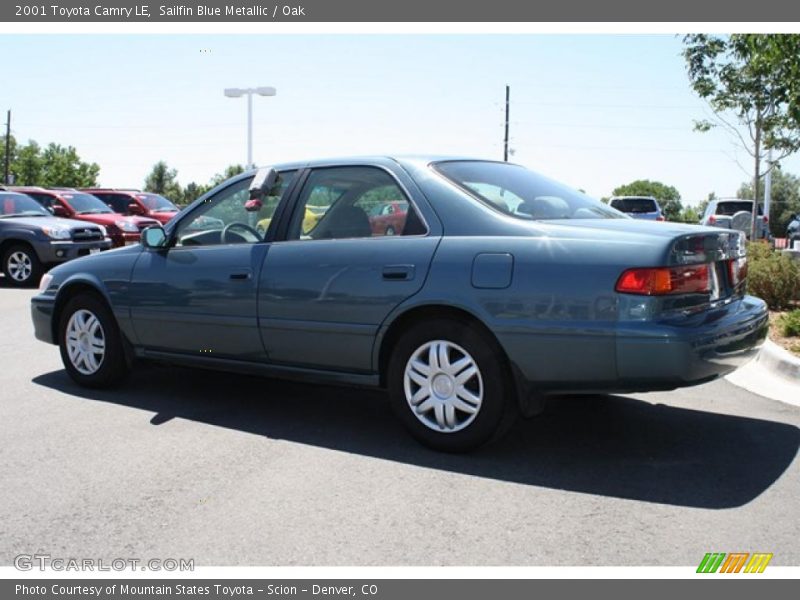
{"type": "Point", "coordinates": [351, 202]}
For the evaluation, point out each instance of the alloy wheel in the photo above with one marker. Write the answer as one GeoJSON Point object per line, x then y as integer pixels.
{"type": "Point", "coordinates": [20, 266]}
{"type": "Point", "coordinates": [86, 342]}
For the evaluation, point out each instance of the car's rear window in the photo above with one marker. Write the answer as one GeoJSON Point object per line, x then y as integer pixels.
{"type": "Point", "coordinates": [635, 205]}
{"type": "Point", "coordinates": [516, 191]}
{"type": "Point", "coordinates": [731, 208]}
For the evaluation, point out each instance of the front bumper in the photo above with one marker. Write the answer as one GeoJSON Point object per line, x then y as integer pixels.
{"type": "Point", "coordinates": [42, 307]}
{"type": "Point", "coordinates": [58, 252]}
{"type": "Point", "coordinates": [125, 238]}
{"type": "Point", "coordinates": [689, 350]}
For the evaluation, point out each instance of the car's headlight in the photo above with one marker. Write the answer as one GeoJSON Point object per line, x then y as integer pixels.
{"type": "Point", "coordinates": [57, 233]}
{"type": "Point", "coordinates": [44, 282]}
{"type": "Point", "coordinates": [127, 226]}
{"type": "Point", "coordinates": [103, 230]}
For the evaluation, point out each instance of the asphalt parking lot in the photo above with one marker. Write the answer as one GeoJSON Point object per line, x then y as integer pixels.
{"type": "Point", "coordinates": [234, 470]}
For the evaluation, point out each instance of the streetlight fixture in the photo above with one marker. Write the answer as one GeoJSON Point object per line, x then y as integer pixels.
{"type": "Point", "coordinates": [238, 93]}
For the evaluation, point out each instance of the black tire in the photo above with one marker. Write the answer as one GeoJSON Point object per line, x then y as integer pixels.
{"type": "Point", "coordinates": [13, 260]}
{"type": "Point", "coordinates": [113, 366]}
{"type": "Point", "coordinates": [498, 408]}
{"type": "Point", "coordinates": [390, 230]}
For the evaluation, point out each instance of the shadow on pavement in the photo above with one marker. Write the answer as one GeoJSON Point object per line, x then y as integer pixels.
{"type": "Point", "coordinates": [604, 445]}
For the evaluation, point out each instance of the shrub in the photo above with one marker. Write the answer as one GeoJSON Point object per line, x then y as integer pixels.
{"type": "Point", "coordinates": [789, 323]}
{"type": "Point", "coordinates": [758, 250]}
{"type": "Point", "coordinates": [772, 276]}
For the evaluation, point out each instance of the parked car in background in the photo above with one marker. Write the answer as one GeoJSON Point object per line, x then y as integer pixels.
{"type": "Point", "coordinates": [733, 213]}
{"type": "Point", "coordinates": [388, 218]}
{"type": "Point", "coordinates": [638, 207]}
{"type": "Point", "coordinates": [136, 203]}
{"type": "Point", "coordinates": [474, 314]}
{"type": "Point", "coordinates": [66, 202]}
{"type": "Point", "coordinates": [32, 239]}
{"type": "Point", "coordinates": [793, 230]}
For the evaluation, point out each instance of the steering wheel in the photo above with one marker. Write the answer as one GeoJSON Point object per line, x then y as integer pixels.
{"type": "Point", "coordinates": [235, 225]}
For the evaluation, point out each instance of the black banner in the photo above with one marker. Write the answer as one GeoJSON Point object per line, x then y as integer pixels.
{"type": "Point", "coordinates": [337, 11]}
{"type": "Point", "coordinates": [732, 588]}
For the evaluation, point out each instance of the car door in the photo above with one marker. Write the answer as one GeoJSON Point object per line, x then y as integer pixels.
{"type": "Point", "coordinates": [327, 285]}
{"type": "Point", "coordinates": [198, 296]}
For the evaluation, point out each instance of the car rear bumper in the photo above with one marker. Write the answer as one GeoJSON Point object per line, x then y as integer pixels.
{"type": "Point", "coordinates": [58, 252]}
{"type": "Point", "coordinates": [689, 350]}
{"type": "Point", "coordinates": [42, 316]}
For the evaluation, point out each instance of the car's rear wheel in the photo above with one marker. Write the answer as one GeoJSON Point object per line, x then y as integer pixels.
{"type": "Point", "coordinates": [91, 343]}
{"type": "Point", "coordinates": [449, 386]}
{"type": "Point", "coordinates": [390, 230]}
{"type": "Point", "coordinates": [21, 266]}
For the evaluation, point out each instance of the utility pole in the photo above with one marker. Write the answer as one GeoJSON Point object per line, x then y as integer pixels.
{"type": "Point", "coordinates": [768, 191]}
{"type": "Point", "coordinates": [505, 143]}
{"type": "Point", "coordinates": [8, 146]}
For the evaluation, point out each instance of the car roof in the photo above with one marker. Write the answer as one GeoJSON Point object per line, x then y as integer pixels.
{"type": "Point", "coordinates": [374, 159]}
{"type": "Point", "coordinates": [632, 198]}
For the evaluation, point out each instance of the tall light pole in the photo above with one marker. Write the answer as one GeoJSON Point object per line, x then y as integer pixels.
{"type": "Point", "coordinates": [238, 93]}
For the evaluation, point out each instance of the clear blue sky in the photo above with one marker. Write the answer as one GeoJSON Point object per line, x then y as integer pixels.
{"type": "Point", "coordinates": [594, 111]}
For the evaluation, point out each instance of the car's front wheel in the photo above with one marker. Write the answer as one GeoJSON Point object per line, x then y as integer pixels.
{"type": "Point", "coordinates": [21, 266]}
{"type": "Point", "coordinates": [91, 343]}
{"type": "Point", "coordinates": [449, 386]}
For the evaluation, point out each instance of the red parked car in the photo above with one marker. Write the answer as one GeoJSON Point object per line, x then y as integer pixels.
{"type": "Point", "coordinates": [388, 218]}
{"type": "Point", "coordinates": [122, 230]}
{"type": "Point", "coordinates": [134, 202]}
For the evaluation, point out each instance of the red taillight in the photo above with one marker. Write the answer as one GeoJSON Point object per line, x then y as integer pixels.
{"type": "Point", "coordinates": [712, 219]}
{"type": "Point", "coordinates": [660, 218]}
{"type": "Point", "coordinates": [691, 279]}
{"type": "Point", "coordinates": [737, 270]}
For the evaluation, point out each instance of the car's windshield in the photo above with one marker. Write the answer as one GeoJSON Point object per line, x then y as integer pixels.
{"type": "Point", "coordinates": [20, 205]}
{"type": "Point", "coordinates": [86, 204]}
{"type": "Point", "coordinates": [156, 203]}
{"type": "Point", "coordinates": [634, 205]}
{"type": "Point", "coordinates": [521, 193]}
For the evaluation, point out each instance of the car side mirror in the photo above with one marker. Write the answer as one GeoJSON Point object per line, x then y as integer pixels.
{"type": "Point", "coordinates": [154, 238]}
{"type": "Point", "coordinates": [135, 209]}
{"type": "Point", "coordinates": [263, 182]}
{"type": "Point", "coordinates": [58, 210]}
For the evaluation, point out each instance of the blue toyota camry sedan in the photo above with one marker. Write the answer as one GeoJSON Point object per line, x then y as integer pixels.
{"type": "Point", "coordinates": [499, 288]}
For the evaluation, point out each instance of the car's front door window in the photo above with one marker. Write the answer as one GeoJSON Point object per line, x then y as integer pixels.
{"type": "Point", "coordinates": [223, 219]}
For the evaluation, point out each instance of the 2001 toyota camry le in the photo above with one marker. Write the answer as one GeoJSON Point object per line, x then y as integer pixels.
{"type": "Point", "coordinates": [500, 288]}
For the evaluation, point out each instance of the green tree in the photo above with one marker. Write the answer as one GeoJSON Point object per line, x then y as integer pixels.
{"type": "Point", "coordinates": [27, 166]}
{"type": "Point", "coordinates": [192, 192]}
{"type": "Point", "coordinates": [668, 197]}
{"type": "Point", "coordinates": [230, 171]}
{"type": "Point", "coordinates": [61, 166]}
{"type": "Point", "coordinates": [54, 165]}
{"type": "Point", "coordinates": [784, 199]}
{"type": "Point", "coordinates": [12, 146]}
{"type": "Point", "coordinates": [163, 180]}
{"type": "Point", "coordinates": [689, 214]}
{"type": "Point", "coordinates": [752, 84]}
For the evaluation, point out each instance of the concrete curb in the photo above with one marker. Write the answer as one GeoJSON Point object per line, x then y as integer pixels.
{"type": "Point", "coordinates": [780, 362]}
{"type": "Point", "coordinates": [774, 373]}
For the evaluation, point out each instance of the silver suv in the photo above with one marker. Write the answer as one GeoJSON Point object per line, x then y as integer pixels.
{"type": "Point", "coordinates": [732, 213]}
